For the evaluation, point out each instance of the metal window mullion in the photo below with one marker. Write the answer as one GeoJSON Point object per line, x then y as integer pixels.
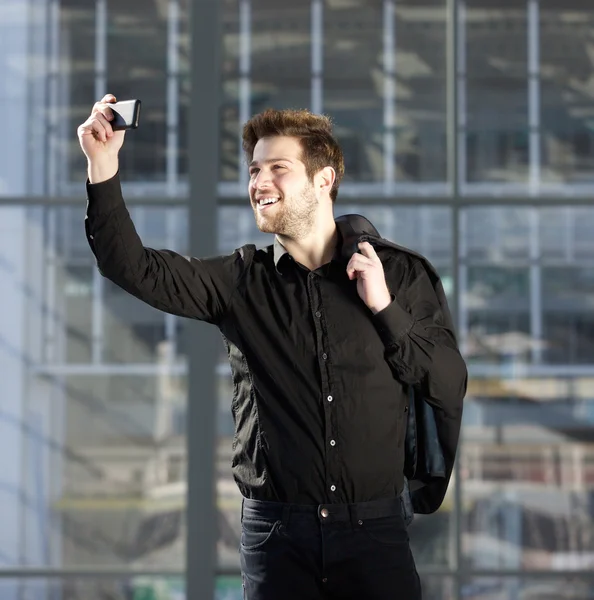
{"type": "Point", "coordinates": [171, 215]}
{"type": "Point", "coordinates": [245, 83]}
{"type": "Point", "coordinates": [461, 79]}
{"type": "Point", "coordinates": [98, 285]}
{"type": "Point", "coordinates": [463, 312]}
{"type": "Point", "coordinates": [50, 326]}
{"type": "Point", "coordinates": [317, 56]}
{"type": "Point", "coordinates": [53, 97]}
{"type": "Point", "coordinates": [172, 108]}
{"type": "Point", "coordinates": [569, 237]}
{"type": "Point", "coordinates": [534, 158]}
{"type": "Point", "coordinates": [389, 42]}
{"type": "Point", "coordinates": [97, 322]}
{"type": "Point", "coordinates": [100, 49]}
{"type": "Point", "coordinates": [453, 168]}
{"type": "Point", "coordinates": [536, 317]}
{"type": "Point", "coordinates": [204, 152]}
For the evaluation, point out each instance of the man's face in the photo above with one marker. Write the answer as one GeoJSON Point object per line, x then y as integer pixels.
{"type": "Point", "coordinates": [281, 194]}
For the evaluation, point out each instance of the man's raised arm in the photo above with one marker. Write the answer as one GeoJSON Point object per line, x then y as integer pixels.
{"type": "Point", "coordinates": [189, 287]}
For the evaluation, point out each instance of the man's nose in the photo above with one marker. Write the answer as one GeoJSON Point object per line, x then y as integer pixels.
{"type": "Point", "coordinates": [262, 180]}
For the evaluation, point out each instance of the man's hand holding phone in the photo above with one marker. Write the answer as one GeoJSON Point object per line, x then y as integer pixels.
{"type": "Point", "coordinates": [98, 140]}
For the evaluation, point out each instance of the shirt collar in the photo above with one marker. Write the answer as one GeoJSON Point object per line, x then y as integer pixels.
{"type": "Point", "coordinates": [351, 230]}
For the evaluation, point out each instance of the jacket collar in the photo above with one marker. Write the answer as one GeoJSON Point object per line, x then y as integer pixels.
{"type": "Point", "coordinates": [352, 229]}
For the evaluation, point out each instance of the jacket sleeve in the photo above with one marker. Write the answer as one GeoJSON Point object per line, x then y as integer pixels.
{"type": "Point", "coordinates": [420, 343]}
{"type": "Point", "coordinates": [189, 287]}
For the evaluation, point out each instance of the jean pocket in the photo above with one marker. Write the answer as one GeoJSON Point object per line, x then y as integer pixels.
{"type": "Point", "coordinates": [388, 531]}
{"type": "Point", "coordinates": [255, 533]}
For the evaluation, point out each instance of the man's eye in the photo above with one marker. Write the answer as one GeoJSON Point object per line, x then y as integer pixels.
{"type": "Point", "coordinates": [253, 172]}
{"type": "Point", "coordinates": [278, 167]}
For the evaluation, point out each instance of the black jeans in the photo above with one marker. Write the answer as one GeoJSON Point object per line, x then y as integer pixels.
{"type": "Point", "coordinates": [328, 552]}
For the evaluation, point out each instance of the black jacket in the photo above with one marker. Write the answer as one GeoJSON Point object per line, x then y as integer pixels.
{"type": "Point", "coordinates": [432, 434]}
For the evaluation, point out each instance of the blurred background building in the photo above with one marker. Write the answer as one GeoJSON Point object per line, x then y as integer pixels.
{"type": "Point", "coordinates": [468, 131]}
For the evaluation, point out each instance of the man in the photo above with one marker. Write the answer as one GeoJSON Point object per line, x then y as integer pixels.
{"type": "Point", "coordinates": [324, 339]}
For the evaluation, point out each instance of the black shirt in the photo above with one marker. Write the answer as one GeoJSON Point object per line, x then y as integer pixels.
{"type": "Point", "coordinates": [320, 383]}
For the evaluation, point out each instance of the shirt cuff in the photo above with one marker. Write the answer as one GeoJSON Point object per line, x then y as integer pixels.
{"type": "Point", "coordinates": [393, 323]}
{"type": "Point", "coordinates": [105, 196]}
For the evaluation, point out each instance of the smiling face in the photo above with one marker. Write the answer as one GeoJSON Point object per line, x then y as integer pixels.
{"type": "Point", "coordinates": [281, 193]}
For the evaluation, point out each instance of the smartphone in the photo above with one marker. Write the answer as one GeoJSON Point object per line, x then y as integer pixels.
{"type": "Point", "coordinates": [126, 115]}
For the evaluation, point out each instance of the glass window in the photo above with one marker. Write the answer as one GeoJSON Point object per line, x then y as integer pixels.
{"type": "Point", "coordinates": [90, 443]}
{"type": "Point", "coordinates": [543, 588]}
{"type": "Point", "coordinates": [132, 54]}
{"type": "Point", "coordinates": [280, 47]}
{"type": "Point", "coordinates": [565, 78]}
{"type": "Point", "coordinates": [93, 485]}
{"type": "Point", "coordinates": [524, 463]}
{"type": "Point", "coordinates": [78, 31]}
{"type": "Point", "coordinates": [384, 86]}
{"type": "Point", "coordinates": [495, 59]}
{"type": "Point", "coordinates": [96, 588]}
{"type": "Point", "coordinates": [137, 68]}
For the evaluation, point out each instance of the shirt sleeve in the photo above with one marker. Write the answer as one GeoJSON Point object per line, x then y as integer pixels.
{"type": "Point", "coordinates": [180, 285]}
{"type": "Point", "coordinates": [420, 349]}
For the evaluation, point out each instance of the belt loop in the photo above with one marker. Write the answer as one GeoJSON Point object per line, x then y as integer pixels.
{"type": "Point", "coordinates": [286, 515]}
{"type": "Point", "coordinates": [353, 515]}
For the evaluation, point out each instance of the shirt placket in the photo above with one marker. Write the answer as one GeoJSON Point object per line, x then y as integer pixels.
{"type": "Point", "coordinates": [314, 283]}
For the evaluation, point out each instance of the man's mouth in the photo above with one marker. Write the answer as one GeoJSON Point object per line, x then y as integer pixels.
{"type": "Point", "coordinates": [266, 202]}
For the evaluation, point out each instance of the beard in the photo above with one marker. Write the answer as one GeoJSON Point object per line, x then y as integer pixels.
{"type": "Point", "coordinates": [292, 217]}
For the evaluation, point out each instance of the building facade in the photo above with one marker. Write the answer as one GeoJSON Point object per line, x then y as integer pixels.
{"type": "Point", "coordinates": [467, 127]}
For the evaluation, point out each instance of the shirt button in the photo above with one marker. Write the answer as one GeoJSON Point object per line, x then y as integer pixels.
{"type": "Point", "coordinates": [330, 398]}
{"type": "Point", "coordinates": [318, 314]}
{"type": "Point", "coordinates": [332, 443]}
{"type": "Point", "coordinates": [332, 488]}
{"type": "Point", "coordinates": [324, 356]}
{"type": "Point", "coordinates": [324, 512]}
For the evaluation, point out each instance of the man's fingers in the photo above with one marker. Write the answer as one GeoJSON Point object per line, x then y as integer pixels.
{"type": "Point", "coordinates": [368, 250]}
{"type": "Point", "coordinates": [103, 109]}
{"type": "Point", "coordinates": [359, 261]}
{"type": "Point", "coordinates": [358, 264]}
{"type": "Point", "coordinates": [93, 126]}
{"type": "Point", "coordinates": [108, 98]}
{"type": "Point", "coordinates": [105, 122]}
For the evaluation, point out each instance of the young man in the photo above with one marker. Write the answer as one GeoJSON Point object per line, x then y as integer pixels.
{"type": "Point", "coordinates": [326, 338]}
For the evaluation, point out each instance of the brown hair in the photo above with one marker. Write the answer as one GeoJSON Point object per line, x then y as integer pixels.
{"type": "Point", "coordinates": [319, 147]}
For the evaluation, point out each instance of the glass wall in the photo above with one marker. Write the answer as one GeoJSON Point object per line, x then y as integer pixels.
{"type": "Point", "coordinates": [93, 385]}
{"type": "Point", "coordinates": [93, 392]}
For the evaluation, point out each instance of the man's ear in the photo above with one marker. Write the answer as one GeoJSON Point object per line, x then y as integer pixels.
{"type": "Point", "coordinates": [324, 179]}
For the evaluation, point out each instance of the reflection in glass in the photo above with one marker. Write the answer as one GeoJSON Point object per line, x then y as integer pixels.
{"type": "Point", "coordinates": [94, 449]}
{"type": "Point", "coordinates": [526, 461]}
{"type": "Point", "coordinates": [568, 297]}
{"type": "Point", "coordinates": [113, 47]}
{"type": "Point", "coordinates": [384, 86]}
{"type": "Point", "coordinates": [280, 55]}
{"type": "Point", "coordinates": [544, 588]}
{"type": "Point", "coordinates": [496, 64]}
{"type": "Point", "coordinates": [137, 60]}
{"type": "Point", "coordinates": [97, 588]}
{"type": "Point", "coordinates": [102, 476]}
{"type": "Point", "coordinates": [566, 98]}
{"type": "Point", "coordinates": [78, 29]}
{"type": "Point", "coordinates": [235, 19]}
